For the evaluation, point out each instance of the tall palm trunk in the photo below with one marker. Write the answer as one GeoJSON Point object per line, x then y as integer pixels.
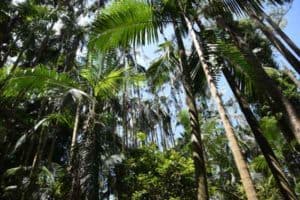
{"type": "Point", "coordinates": [235, 148]}
{"type": "Point", "coordinates": [74, 161]}
{"type": "Point", "coordinates": [197, 147]}
{"type": "Point", "coordinates": [263, 82]}
{"type": "Point", "coordinates": [262, 142]}
{"type": "Point", "coordinates": [292, 77]}
{"type": "Point", "coordinates": [43, 46]}
{"type": "Point", "coordinates": [75, 132]}
{"type": "Point", "coordinates": [51, 150]}
{"type": "Point", "coordinates": [89, 163]}
{"type": "Point", "coordinates": [279, 31]}
{"type": "Point", "coordinates": [277, 43]}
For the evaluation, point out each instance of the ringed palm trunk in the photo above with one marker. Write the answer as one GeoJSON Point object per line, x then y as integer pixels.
{"type": "Point", "coordinates": [266, 149]}
{"type": "Point", "coordinates": [279, 31]}
{"type": "Point", "coordinates": [74, 161]}
{"type": "Point", "coordinates": [277, 43]}
{"type": "Point", "coordinates": [235, 148]}
{"type": "Point", "coordinates": [197, 147]}
{"type": "Point", "coordinates": [35, 165]}
{"type": "Point", "coordinates": [292, 77]}
{"type": "Point", "coordinates": [75, 131]}
{"type": "Point", "coordinates": [290, 117]}
{"type": "Point", "coordinates": [43, 46]}
{"type": "Point", "coordinates": [89, 162]}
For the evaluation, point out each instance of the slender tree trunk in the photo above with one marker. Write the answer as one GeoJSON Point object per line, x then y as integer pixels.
{"type": "Point", "coordinates": [28, 153]}
{"type": "Point", "coordinates": [51, 150]}
{"type": "Point", "coordinates": [266, 84]}
{"type": "Point", "coordinates": [89, 164]}
{"type": "Point", "coordinates": [3, 61]}
{"type": "Point", "coordinates": [16, 63]}
{"type": "Point", "coordinates": [197, 147]}
{"type": "Point", "coordinates": [35, 166]}
{"type": "Point", "coordinates": [277, 43]}
{"type": "Point", "coordinates": [282, 34]}
{"type": "Point", "coordinates": [74, 160]}
{"type": "Point", "coordinates": [43, 45]}
{"type": "Point", "coordinates": [75, 132]}
{"type": "Point", "coordinates": [124, 118]}
{"type": "Point", "coordinates": [292, 77]}
{"type": "Point", "coordinates": [39, 152]}
{"type": "Point", "coordinates": [266, 149]}
{"type": "Point", "coordinates": [235, 148]}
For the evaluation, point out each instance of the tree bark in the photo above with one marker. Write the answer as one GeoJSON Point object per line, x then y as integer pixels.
{"type": "Point", "coordinates": [74, 161]}
{"type": "Point", "coordinates": [265, 83]}
{"type": "Point", "coordinates": [295, 63]}
{"type": "Point", "coordinates": [282, 34]}
{"type": "Point", "coordinates": [197, 147]}
{"type": "Point", "coordinates": [43, 46]}
{"type": "Point", "coordinates": [235, 148]}
{"type": "Point", "coordinates": [51, 150]}
{"type": "Point", "coordinates": [89, 163]}
{"type": "Point", "coordinates": [75, 132]}
{"type": "Point", "coordinates": [292, 77]}
{"type": "Point", "coordinates": [265, 147]}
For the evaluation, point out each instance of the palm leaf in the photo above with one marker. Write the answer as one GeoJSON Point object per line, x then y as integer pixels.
{"type": "Point", "coordinates": [237, 7]}
{"type": "Point", "coordinates": [122, 23]}
{"type": "Point", "coordinates": [110, 83]}
{"type": "Point", "coordinates": [39, 79]}
{"type": "Point", "coordinates": [243, 70]}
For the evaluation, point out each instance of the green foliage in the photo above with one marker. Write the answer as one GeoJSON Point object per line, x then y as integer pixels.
{"type": "Point", "coordinates": [122, 23]}
{"type": "Point", "coordinates": [148, 173]}
{"type": "Point", "coordinates": [270, 128]}
{"type": "Point", "coordinates": [39, 80]}
{"type": "Point", "coordinates": [53, 182]}
{"type": "Point", "coordinates": [158, 74]}
{"type": "Point", "coordinates": [109, 83]}
{"type": "Point", "coordinates": [142, 136]}
{"type": "Point", "coordinates": [288, 88]}
{"type": "Point", "coordinates": [184, 119]}
{"type": "Point", "coordinates": [259, 164]}
{"type": "Point", "coordinates": [35, 95]}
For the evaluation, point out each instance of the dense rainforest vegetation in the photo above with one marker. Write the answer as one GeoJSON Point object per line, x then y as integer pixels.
{"type": "Point", "coordinates": [87, 111]}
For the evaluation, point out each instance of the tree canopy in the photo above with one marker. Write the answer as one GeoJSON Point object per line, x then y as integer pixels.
{"type": "Point", "coordinates": [88, 111]}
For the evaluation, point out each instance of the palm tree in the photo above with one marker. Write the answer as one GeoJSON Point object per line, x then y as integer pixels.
{"type": "Point", "coordinates": [237, 153]}
{"type": "Point", "coordinates": [258, 15]}
{"type": "Point", "coordinates": [290, 116]}
{"type": "Point", "coordinates": [120, 35]}
{"type": "Point", "coordinates": [106, 28]}
{"type": "Point", "coordinates": [103, 82]}
{"type": "Point", "coordinates": [262, 142]}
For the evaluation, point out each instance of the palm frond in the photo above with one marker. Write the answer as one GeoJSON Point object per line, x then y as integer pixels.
{"type": "Point", "coordinates": [123, 23]}
{"type": "Point", "coordinates": [39, 79]}
{"type": "Point", "coordinates": [238, 7]}
{"type": "Point", "coordinates": [158, 73]}
{"type": "Point", "coordinates": [57, 117]}
{"type": "Point", "coordinates": [20, 170]}
{"type": "Point", "coordinates": [110, 83]}
{"type": "Point", "coordinates": [242, 68]}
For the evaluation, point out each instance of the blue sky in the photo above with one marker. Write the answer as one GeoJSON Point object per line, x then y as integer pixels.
{"type": "Point", "coordinates": [292, 29]}
{"type": "Point", "coordinates": [293, 22]}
